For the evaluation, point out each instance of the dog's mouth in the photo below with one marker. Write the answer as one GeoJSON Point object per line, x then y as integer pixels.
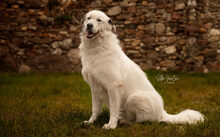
{"type": "Point", "coordinates": [91, 34]}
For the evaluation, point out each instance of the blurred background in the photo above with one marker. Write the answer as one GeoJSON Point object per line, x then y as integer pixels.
{"type": "Point", "coordinates": [43, 35]}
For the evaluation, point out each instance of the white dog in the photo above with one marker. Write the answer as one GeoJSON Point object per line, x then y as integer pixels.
{"type": "Point", "coordinates": [117, 81]}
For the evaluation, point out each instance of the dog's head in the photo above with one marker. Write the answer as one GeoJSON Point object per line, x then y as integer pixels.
{"type": "Point", "coordinates": [95, 23]}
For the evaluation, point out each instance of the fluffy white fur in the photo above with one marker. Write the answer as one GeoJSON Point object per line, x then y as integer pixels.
{"type": "Point", "coordinates": [117, 81]}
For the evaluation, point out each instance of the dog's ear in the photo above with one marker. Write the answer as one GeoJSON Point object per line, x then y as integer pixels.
{"type": "Point", "coordinates": [113, 26]}
{"type": "Point", "coordinates": [110, 22]}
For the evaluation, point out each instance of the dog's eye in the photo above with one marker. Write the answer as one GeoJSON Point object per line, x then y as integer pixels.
{"type": "Point", "coordinates": [89, 18]}
{"type": "Point", "coordinates": [99, 20]}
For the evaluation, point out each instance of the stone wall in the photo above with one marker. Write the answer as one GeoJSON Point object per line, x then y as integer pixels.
{"type": "Point", "coordinates": [43, 35]}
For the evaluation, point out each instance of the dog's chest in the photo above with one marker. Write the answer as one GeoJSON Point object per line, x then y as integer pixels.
{"type": "Point", "coordinates": [98, 64]}
{"type": "Point", "coordinates": [90, 65]}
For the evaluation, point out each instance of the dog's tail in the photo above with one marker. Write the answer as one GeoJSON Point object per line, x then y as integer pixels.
{"type": "Point", "coordinates": [185, 117]}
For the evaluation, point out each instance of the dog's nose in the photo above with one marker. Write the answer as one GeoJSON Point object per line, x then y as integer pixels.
{"type": "Point", "coordinates": [89, 26]}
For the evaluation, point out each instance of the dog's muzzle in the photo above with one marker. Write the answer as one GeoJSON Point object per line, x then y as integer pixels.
{"type": "Point", "coordinates": [89, 29]}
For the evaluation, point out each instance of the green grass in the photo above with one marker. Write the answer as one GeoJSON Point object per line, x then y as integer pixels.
{"type": "Point", "coordinates": [56, 104]}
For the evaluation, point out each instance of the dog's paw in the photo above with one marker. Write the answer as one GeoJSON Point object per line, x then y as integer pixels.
{"type": "Point", "coordinates": [86, 122]}
{"type": "Point", "coordinates": [109, 126]}
{"type": "Point", "coordinates": [124, 122]}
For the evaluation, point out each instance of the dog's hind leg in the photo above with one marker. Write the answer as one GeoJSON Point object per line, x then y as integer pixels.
{"type": "Point", "coordinates": [123, 118]}
{"type": "Point", "coordinates": [144, 106]}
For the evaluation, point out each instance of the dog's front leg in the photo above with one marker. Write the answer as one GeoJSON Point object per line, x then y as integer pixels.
{"type": "Point", "coordinates": [96, 102]}
{"type": "Point", "coordinates": [96, 110]}
{"type": "Point", "coordinates": [114, 106]}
